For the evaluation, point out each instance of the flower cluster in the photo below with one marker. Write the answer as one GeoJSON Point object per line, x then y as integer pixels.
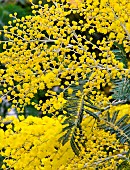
{"type": "Point", "coordinates": [49, 49]}
{"type": "Point", "coordinates": [36, 145]}
{"type": "Point", "coordinates": [70, 45]}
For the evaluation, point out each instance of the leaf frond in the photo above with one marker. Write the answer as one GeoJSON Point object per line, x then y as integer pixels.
{"type": "Point", "coordinates": [120, 127]}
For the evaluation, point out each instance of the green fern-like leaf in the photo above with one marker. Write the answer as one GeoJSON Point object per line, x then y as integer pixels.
{"type": "Point", "coordinates": [76, 107]}
{"type": "Point", "coordinates": [120, 54]}
{"type": "Point", "coordinates": [73, 122]}
{"type": "Point", "coordinates": [120, 127]}
{"type": "Point", "coordinates": [121, 89]}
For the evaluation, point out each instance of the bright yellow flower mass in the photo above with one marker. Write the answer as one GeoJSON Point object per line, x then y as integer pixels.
{"type": "Point", "coordinates": [70, 45]}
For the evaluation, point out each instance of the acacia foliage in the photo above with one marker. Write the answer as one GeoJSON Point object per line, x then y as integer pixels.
{"type": "Point", "coordinates": [89, 127]}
